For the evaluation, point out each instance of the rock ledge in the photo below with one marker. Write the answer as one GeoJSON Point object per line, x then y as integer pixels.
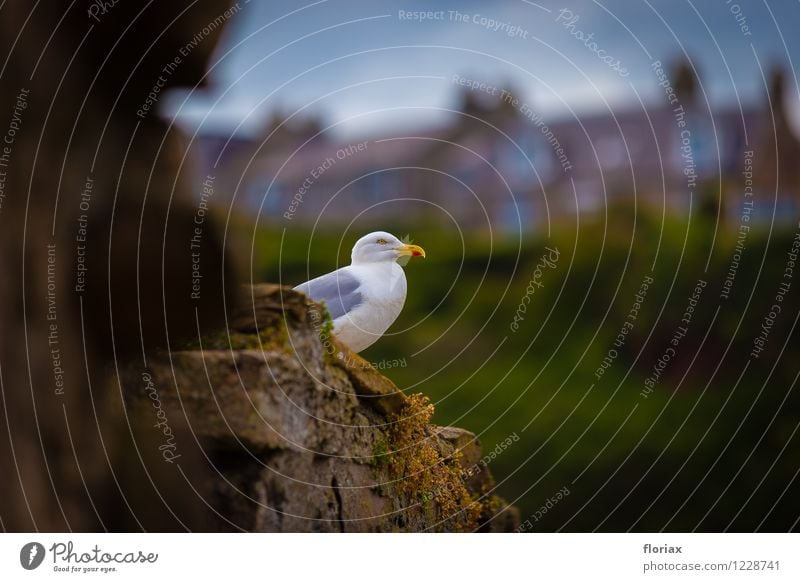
{"type": "Point", "coordinates": [304, 435]}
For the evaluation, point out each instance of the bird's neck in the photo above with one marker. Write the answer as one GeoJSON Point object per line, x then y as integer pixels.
{"type": "Point", "coordinates": [388, 272]}
{"type": "Point", "coordinates": [388, 266]}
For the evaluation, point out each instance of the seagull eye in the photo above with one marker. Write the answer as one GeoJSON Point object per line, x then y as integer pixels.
{"type": "Point", "coordinates": [381, 241]}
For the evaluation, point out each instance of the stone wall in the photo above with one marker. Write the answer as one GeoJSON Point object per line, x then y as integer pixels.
{"type": "Point", "coordinates": [303, 435]}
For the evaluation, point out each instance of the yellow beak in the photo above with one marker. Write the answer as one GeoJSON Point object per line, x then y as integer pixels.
{"type": "Point", "coordinates": [412, 251]}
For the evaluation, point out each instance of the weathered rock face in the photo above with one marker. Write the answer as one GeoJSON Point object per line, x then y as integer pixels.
{"type": "Point", "coordinates": [72, 251]}
{"type": "Point", "coordinates": [303, 435]}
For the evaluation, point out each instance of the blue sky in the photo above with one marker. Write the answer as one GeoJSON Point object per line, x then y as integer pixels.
{"type": "Point", "coordinates": [365, 71]}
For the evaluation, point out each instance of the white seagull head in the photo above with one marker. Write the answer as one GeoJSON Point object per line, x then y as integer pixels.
{"type": "Point", "coordinates": [378, 247]}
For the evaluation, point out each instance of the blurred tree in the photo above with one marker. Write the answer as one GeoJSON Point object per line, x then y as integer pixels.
{"type": "Point", "coordinates": [684, 81]}
{"type": "Point", "coordinates": [775, 167]}
{"type": "Point", "coordinates": [84, 163]}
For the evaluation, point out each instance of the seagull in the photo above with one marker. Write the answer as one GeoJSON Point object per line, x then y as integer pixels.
{"type": "Point", "coordinates": [365, 297]}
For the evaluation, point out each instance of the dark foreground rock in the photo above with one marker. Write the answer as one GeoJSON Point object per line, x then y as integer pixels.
{"type": "Point", "coordinates": [303, 435]}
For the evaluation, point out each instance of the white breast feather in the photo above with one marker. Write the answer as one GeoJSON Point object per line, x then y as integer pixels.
{"type": "Point", "coordinates": [383, 287]}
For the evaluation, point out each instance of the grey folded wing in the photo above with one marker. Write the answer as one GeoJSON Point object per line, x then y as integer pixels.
{"type": "Point", "coordinates": [339, 290]}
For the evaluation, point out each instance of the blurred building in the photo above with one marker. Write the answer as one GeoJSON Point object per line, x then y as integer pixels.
{"type": "Point", "coordinates": [496, 161]}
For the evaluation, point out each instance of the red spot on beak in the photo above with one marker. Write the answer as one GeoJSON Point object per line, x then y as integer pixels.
{"type": "Point", "coordinates": [416, 254]}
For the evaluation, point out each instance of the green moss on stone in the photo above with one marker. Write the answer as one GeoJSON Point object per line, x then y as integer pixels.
{"type": "Point", "coordinates": [423, 475]}
{"type": "Point", "coordinates": [326, 335]}
{"type": "Point", "coordinates": [380, 453]}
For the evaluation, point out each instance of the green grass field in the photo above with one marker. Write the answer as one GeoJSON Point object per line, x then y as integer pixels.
{"type": "Point", "coordinates": [699, 450]}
